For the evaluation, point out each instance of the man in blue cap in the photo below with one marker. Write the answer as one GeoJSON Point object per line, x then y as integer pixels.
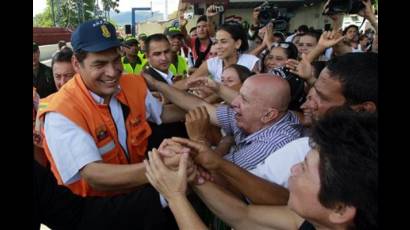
{"type": "Point", "coordinates": [96, 129]}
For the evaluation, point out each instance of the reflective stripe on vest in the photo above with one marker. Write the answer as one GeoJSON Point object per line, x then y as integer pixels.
{"type": "Point", "coordinates": [106, 148]}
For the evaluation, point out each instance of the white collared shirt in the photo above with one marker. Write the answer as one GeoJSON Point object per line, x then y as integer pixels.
{"type": "Point", "coordinates": [72, 148]}
{"type": "Point", "coordinates": [166, 77]}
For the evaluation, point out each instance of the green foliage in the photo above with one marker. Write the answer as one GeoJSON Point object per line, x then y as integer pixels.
{"type": "Point", "coordinates": [70, 12]}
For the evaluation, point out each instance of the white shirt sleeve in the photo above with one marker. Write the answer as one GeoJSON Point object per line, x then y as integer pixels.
{"type": "Point", "coordinates": [70, 146]}
{"type": "Point", "coordinates": [276, 167]}
{"type": "Point", "coordinates": [153, 108]}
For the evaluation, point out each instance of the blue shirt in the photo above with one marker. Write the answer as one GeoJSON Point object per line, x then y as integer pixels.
{"type": "Point", "coordinates": [251, 149]}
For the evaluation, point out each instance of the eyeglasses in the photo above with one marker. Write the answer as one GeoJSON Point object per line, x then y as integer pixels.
{"type": "Point", "coordinates": [280, 44]}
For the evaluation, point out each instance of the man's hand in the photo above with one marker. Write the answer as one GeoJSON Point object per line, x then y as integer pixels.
{"type": "Point", "coordinates": [171, 152]}
{"type": "Point", "coordinates": [329, 39]}
{"type": "Point", "coordinates": [303, 69]}
{"type": "Point", "coordinates": [197, 124]}
{"type": "Point", "coordinates": [211, 11]}
{"type": "Point", "coordinates": [201, 154]}
{"type": "Point", "coordinates": [367, 11]}
{"type": "Point", "coordinates": [203, 83]}
{"type": "Point", "coordinates": [151, 82]}
{"type": "Point", "coordinates": [268, 36]}
{"type": "Point", "coordinates": [167, 182]}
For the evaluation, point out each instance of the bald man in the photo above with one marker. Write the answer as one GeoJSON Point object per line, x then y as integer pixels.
{"type": "Point", "coordinates": [258, 117]}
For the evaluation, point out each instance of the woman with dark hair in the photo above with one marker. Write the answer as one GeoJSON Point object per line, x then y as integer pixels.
{"type": "Point", "coordinates": [235, 75]}
{"type": "Point", "coordinates": [277, 55]}
{"type": "Point", "coordinates": [231, 43]}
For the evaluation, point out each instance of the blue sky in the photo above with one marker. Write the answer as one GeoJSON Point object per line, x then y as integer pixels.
{"type": "Point", "coordinates": [125, 5]}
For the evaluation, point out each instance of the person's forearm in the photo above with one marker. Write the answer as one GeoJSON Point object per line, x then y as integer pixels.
{"type": "Point", "coordinates": [224, 145]}
{"type": "Point", "coordinates": [180, 98]}
{"type": "Point", "coordinates": [223, 204]}
{"type": "Point", "coordinates": [315, 53]}
{"type": "Point", "coordinates": [172, 113]}
{"type": "Point", "coordinates": [185, 215]}
{"type": "Point", "coordinates": [256, 189]}
{"type": "Point", "coordinates": [373, 21]}
{"type": "Point", "coordinates": [257, 50]}
{"type": "Point", "coordinates": [211, 26]}
{"type": "Point", "coordinates": [226, 93]}
{"type": "Point", "coordinates": [110, 177]}
{"type": "Point", "coordinates": [185, 100]}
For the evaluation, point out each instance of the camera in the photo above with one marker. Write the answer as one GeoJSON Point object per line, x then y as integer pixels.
{"type": "Point", "coordinates": [344, 6]}
{"type": "Point", "coordinates": [270, 13]}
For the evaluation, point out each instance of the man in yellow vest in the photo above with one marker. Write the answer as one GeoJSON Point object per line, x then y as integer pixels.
{"type": "Point", "coordinates": [95, 126]}
{"type": "Point", "coordinates": [131, 62]}
{"type": "Point", "coordinates": [179, 65]}
{"type": "Point", "coordinates": [141, 40]}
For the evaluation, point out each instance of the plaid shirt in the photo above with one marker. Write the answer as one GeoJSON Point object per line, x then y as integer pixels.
{"type": "Point", "coordinates": [250, 150]}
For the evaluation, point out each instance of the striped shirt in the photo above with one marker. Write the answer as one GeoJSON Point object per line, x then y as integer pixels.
{"type": "Point", "coordinates": [250, 150]}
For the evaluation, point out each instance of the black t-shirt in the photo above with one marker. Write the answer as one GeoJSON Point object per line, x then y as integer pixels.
{"type": "Point", "coordinates": [307, 226]}
{"type": "Point", "coordinates": [44, 81]}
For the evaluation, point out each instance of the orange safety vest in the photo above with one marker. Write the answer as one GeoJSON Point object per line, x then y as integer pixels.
{"type": "Point", "coordinates": [74, 101]}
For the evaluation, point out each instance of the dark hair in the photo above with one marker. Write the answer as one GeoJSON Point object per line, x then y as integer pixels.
{"type": "Point", "coordinates": [237, 33]}
{"type": "Point", "coordinates": [303, 28]}
{"type": "Point", "coordinates": [348, 167]}
{"type": "Point", "coordinates": [363, 36]}
{"type": "Point", "coordinates": [279, 35]}
{"type": "Point", "coordinates": [154, 37]}
{"type": "Point", "coordinates": [192, 29]}
{"type": "Point", "coordinates": [242, 71]}
{"type": "Point", "coordinates": [63, 55]}
{"type": "Point", "coordinates": [61, 43]}
{"type": "Point", "coordinates": [313, 33]}
{"type": "Point", "coordinates": [350, 26]}
{"type": "Point", "coordinates": [202, 18]}
{"type": "Point", "coordinates": [318, 67]}
{"type": "Point", "coordinates": [358, 74]}
{"type": "Point", "coordinates": [291, 52]}
{"type": "Point", "coordinates": [80, 55]}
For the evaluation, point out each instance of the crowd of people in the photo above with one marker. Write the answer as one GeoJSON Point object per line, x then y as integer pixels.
{"type": "Point", "coordinates": [265, 131]}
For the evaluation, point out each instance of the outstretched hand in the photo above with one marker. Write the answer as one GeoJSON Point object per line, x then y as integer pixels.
{"type": "Point", "coordinates": [166, 181]}
{"type": "Point", "coordinates": [197, 123]}
{"type": "Point", "coordinates": [201, 153]}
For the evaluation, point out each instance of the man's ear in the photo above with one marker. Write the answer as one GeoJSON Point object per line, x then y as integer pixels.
{"type": "Point", "coordinates": [270, 115]}
{"type": "Point", "coordinates": [342, 213]}
{"type": "Point", "coordinates": [368, 106]}
{"type": "Point", "coordinates": [76, 64]}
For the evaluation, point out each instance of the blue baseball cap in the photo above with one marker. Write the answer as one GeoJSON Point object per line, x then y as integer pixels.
{"type": "Point", "coordinates": [94, 36]}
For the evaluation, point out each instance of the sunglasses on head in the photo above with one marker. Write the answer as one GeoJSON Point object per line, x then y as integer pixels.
{"type": "Point", "coordinates": [280, 44]}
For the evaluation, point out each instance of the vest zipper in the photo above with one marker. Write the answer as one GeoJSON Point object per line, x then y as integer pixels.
{"type": "Point", "coordinates": [126, 135]}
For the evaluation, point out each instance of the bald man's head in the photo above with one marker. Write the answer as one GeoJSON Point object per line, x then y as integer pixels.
{"type": "Point", "coordinates": [262, 100]}
{"type": "Point", "coordinates": [272, 91]}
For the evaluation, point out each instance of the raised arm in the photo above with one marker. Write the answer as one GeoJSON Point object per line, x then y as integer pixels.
{"type": "Point", "coordinates": [181, 98]}
{"type": "Point", "coordinates": [368, 13]}
{"type": "Point", "coordinates": [224, 92]}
